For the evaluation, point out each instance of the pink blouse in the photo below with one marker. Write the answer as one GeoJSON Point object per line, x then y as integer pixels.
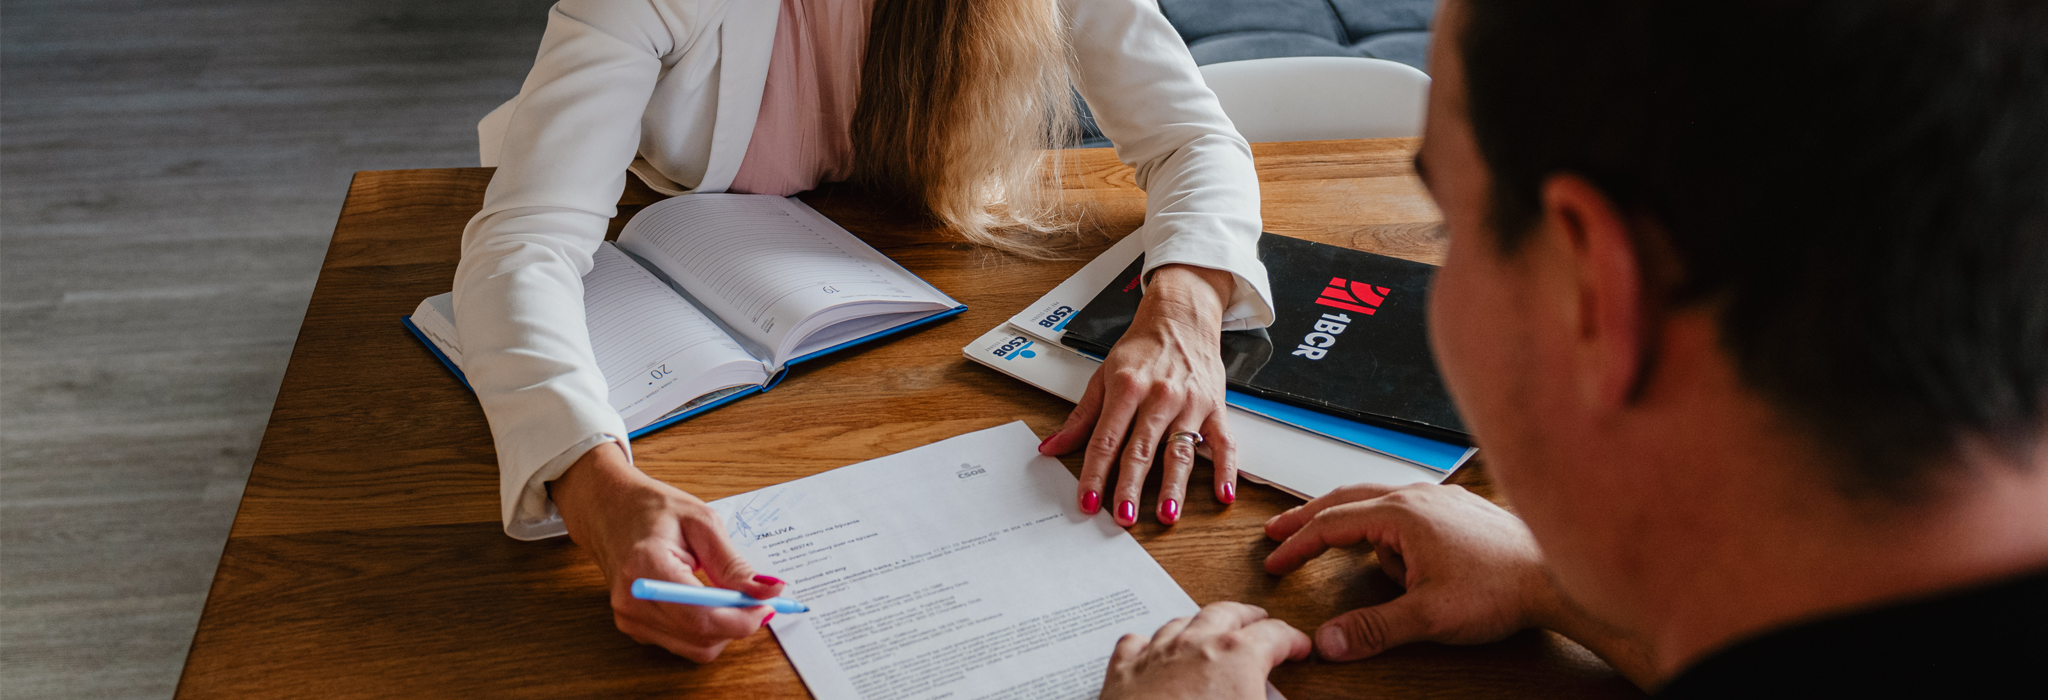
{"type": "Point", "coordinates": [803, 135]}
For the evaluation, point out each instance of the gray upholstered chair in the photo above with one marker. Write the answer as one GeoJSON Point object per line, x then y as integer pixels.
{"type": "Point", "coordinates": [1219, 31]}
{"type": "Point", "coordinates": [1234, 30]}
{"type": "Point", "coordinates": [1310, 98]}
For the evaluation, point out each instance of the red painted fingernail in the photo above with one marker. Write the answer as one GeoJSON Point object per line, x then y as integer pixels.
{"type": "Point", "coordinates": [1048, 438]}
{"type": "Point", "coordinates": [1127, 512]}
{"type": "Point", "coordinates": [1229, 492]}
{"type": "Point", "coordinates": [771, 616]}
{"type": "Point", "coordinates": [770, 580]}
{"type": "Point", "coordinates": [1169, 511]}
{"type": "Point", "coordinates": [1091, 502]}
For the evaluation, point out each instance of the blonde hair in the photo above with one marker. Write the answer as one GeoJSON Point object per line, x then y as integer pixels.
{"type": "Point", "coordinates": [959, 100]}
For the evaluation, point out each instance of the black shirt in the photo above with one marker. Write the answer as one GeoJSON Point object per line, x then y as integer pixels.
{"type": "Point", "coordinates": [1986, 641]}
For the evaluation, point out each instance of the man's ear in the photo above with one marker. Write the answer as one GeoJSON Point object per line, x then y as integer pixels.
{"type": "Point", "coordinates": [1614, 324]}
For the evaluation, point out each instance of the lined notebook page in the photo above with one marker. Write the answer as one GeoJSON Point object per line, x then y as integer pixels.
{"type": "Point", "coordinates": [647, 338]}
{"type": "Point", "coordinates": [763, 263]}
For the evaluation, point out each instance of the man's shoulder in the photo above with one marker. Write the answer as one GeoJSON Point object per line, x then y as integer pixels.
{"type": "Point", "coordinates": [1992, 637]}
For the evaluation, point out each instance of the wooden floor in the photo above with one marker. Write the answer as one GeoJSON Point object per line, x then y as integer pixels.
{"type": "Point", "coordinates": [170, 171]}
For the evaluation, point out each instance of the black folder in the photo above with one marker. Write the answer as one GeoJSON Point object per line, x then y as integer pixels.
{"type": "Point", "coordinates": [1350, 337]}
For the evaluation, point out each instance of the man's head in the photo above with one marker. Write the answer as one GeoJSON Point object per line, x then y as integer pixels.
{"type": "Point", "coordinates": [1818, 228]}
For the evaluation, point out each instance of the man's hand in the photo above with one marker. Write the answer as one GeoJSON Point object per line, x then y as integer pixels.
{"type": "Point", "coordinates": [636, 527]}
{"type": "Point", "coordinates": [1472, 571]}
{"type": "Point", "coordinates": [1225, 651]}
{"type": "Point", "coordinates": [1164, 377]}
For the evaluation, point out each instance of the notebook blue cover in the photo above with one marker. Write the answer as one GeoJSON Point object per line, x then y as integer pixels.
{"type": "Point", "coordinates": [721, 401]}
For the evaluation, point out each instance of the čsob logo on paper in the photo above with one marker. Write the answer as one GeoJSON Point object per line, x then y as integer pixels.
{"type": "Point", "coordinates": [1057, 319]}
{"type": "Point", "coordinates": [1014, 348]}
{"type": "Point", "coordinates": [968, 471]}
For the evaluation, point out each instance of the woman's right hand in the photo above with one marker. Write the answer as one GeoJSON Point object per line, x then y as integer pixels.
{"type": "Point", "coordinates": [636, 527]}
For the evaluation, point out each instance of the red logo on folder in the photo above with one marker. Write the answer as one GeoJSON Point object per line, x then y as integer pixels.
{"type": "Point", "coordinates": [1353, 296]}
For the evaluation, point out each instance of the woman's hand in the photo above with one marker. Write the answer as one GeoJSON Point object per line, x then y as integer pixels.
{"type": "Point", "coordinates": [1225, 651]}
{"type": "Point", "coordinates": [1163, 378]}
{"type": "Point", "coordinates": [636, 527]}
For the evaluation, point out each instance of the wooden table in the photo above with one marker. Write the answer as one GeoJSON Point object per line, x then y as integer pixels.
{"type": "Point", "coordinates": [367, 560]}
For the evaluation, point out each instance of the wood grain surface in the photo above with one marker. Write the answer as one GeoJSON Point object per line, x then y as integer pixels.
{"type": "Point", "coordinates": [367, 559]}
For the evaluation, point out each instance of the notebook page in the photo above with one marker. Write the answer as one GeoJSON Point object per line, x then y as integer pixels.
{"type": "Point", "coordinates": [435, 318]}
{"type": "Point", "coordinates": [655, 349]}
{"type": "Point", "coordinates": [766, 264]}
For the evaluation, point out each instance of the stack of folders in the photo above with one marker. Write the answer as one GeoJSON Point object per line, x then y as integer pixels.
{"type": "Point", "coordinates": [1299, 450]}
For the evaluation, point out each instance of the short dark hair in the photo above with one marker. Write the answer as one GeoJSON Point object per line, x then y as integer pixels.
{"type": "Point", "coordinates": [1861, 185]}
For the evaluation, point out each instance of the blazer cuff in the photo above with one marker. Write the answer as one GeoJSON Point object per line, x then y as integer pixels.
{"type": "Point", "coordinates": [530, 514]}
{"type": "Point", "coordinates": [1251, 302]}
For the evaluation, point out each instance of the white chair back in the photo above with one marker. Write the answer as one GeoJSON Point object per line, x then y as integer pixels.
{"type": "Point", "coordinates": [1310, 98]}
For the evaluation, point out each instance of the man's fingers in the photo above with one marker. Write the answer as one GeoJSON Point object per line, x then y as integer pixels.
{"type": "Point", "coordinates": [1277, 640]}
{"type": "Point", "coordinates": [1338, 526]}
{"type": "Point", "coordinates": [1368, 631]}
{"type": "Point", "coordinates": [1128, 646]}
{"type": "Point", "coordinates": [1284, 525]}
{"type": "Point", "coordinates": [1393, 565]}
{"type": "Point", "coordinates": [1171, 629]}
{"type": "Point", "coordinates": [1222, 617]}
{"type": "Point", "coordinates": [1080, 423]}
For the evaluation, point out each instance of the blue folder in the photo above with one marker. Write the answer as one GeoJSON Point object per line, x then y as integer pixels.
{"type": "Point", "coordinates": [1441, 456]}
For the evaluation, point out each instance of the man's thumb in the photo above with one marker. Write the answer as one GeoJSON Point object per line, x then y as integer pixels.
{"type": "Point", "coordinates": [1368, 631]}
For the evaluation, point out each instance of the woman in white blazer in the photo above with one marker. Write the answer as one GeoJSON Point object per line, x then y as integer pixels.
{"type": "Point", "coordinates": [675, 90]}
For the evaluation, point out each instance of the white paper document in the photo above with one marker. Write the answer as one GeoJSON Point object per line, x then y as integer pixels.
{"type": "Point", "coordinates": [961, 569]}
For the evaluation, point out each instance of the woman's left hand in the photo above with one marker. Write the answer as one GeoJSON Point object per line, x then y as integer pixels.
{"type": "Point", "coordinates": [1165, 377]}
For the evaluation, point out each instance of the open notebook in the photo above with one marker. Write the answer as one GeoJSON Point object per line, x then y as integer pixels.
{"type": "Point", "coordinates": [707, 298]}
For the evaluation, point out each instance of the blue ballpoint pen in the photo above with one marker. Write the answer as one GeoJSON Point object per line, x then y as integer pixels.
{"type": "Point", "coordinates": [667, 592]}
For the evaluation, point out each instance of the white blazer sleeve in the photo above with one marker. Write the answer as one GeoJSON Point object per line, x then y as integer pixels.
{"type": "Point", "coordinates": [1201, 190]}
{"type": "Point", "coordinates": [562, 147]}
